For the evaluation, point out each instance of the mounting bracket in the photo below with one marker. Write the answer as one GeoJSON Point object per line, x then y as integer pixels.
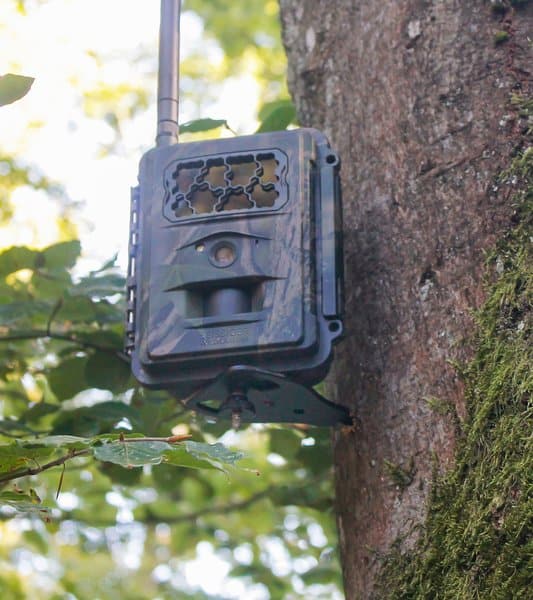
{"type": "Point", "coordinates": [249, 394]}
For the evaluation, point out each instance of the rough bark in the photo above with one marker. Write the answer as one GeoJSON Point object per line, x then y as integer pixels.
{"type": "Point", "coordinates": [415, 97]}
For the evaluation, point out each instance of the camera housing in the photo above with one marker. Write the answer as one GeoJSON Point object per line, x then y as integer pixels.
{"type": "Point", "coordinates": [235, 259]}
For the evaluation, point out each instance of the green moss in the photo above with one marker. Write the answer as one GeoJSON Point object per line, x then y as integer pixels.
{"type": "Point", "coordinates": [400, 476]}
{"type": "Point", "coordinates": [501, 36]}
{"type": "Point", "coordinates": [476, 542]}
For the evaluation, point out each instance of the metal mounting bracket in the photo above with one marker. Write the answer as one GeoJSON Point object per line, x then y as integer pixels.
{"type": "Point", "coordinates": [249, 394]}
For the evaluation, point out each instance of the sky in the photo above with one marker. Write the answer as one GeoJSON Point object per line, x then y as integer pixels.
{"type": "Point", "coordinates": [72, 47]}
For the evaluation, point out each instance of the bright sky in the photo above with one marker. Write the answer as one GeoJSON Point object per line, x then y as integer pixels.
{"type": "Point", "coordinates": [55, 43]}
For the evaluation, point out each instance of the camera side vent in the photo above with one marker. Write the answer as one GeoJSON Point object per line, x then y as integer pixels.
{"type": "Point", "coordinates": [131, 287]}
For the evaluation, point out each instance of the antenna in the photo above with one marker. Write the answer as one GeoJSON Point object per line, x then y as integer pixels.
{"type": "Point", "coordinates": [168, 79]}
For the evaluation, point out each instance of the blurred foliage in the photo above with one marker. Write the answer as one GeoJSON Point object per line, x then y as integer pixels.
{"type": "Point", "coordinates": [89, 527]}
{"type": "Point", "coordinates": [249, 35]}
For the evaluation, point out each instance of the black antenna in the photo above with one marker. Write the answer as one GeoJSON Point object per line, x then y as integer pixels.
{"type": "Point", "coordinates": [168, 79]}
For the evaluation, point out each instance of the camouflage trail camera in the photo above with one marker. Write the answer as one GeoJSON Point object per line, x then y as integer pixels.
{"type": "Point", "coordinates": [235, 274]}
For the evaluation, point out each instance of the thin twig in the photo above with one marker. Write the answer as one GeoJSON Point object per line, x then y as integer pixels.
{"type": "Point", "coordinates": [52, 316]}
{"type": "Point", "coordinates": [173, 439]}
{"type": "Point", "coordinates": [53, 463]}
{"type": "Point", "coordinates": [208, 510]}
{"type": "Point", "coordinates": [35, 334]}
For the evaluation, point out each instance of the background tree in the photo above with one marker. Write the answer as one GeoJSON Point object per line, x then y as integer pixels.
{"type": "Point", "coordinates": [429, 105]}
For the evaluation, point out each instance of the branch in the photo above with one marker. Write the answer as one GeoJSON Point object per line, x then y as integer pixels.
{"type": "Point", "coordinates": [208, 510]}
{"type": "Point", "coordinates": [151, 518]}
{"type": "Point", "coordinates": [84, 452]}
{"type": "Point", "coordinates": [52, 316]}
{"type": "Point", "coordinates": [36, 470]}
{"type": "Point", "coordinates": [35, 334]}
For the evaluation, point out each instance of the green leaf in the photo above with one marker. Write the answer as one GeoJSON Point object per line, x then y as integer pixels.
{"type": "Point", "coordinates": [18, 313]}
{"type": "Point", "coordinates": [16, 258]}
{"type": "Point", "coordinates": [90, 421]}
{"type": "Point", "coordinates": [13, 427]}
{"type": "Point", "coordinates": [217, 455]}
{"type": "Point", "coordinates": [285, 442]}
{"type": "Point", "coordinates": [106, 371]}
{"type": "Point", "coordinates": [178, 456]}
{"type": "Point", "coordinates": [112, 412]}
{"type": "Point", "coordinates": [72, 442]}
{"type": "Point", "coordinates": [199, 125]}
{"type": "Point", "coordinates": [38, 410]}
{"type": "Point", "coordinates": [276, 116]}
{"type": "Point", "coordinates": [117, 474]}
{"type": "Point", "coordinates": [24, 502]}
{"type": "Point", "coordinates": [109, 313]}
{"type": "Point", "coordinates": [62, 255]}
{"type": "Point", "coordinates": [51, 284]}
{"type": "Point", "coordinates": [100, 286]}
{"type": "Point", "coordinates": [68, 378]}
{"type": "Point", "coordinates": [14, 87]}
{"type": "Point", "coordinates": [319, 575]}
{"type": "Point", "coordinates": [132, 454]}
{"type": "Point", "coordinates": [104, 337]}
{"type": "Point", "coordinates": [15, 456]}
{"type": "Point", "coordinates": [76, 309]}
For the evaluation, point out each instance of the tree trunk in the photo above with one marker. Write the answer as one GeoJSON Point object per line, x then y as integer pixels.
{"type": "Point", "coordinates": [415, 96]}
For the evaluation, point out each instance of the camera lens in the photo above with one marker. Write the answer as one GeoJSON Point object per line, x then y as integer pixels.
{"type": "Point", "coordinates": [223, 254]}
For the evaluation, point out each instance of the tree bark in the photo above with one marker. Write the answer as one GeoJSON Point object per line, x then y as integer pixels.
{"type": "Point", "coordinates": [415, 96]}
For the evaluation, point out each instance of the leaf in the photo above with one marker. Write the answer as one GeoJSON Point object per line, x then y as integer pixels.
{"type": "Point", "coordinates": [104, 337]}
{"type": "Point", "coordinates": [15, 456]}
{"type": "Point", "coordinates": [108, 313]}
{"type": "Point", "coordinates": [76, 309]}
{"type": "Point", "coordinates": [117, 474]}
{"type": "Point", "coordinates": [16, 258]}
{"type": "Point", "coordinates": [178, 456]}
{"type": "Point", "coordinates": [62, 255]}
{"type": "Point", "coordinates": [109, 264]}
{"type": "Point", "coordinates": [17, 313]}
{"type": "Point", "coordinates": [24, 502]}
{"type": "Point", "coordinates": [320, 575]}
{"type": "Point", "coordinates": [37, 411]}
{"type": "Point", "coordinates": [132, 454]}
{"type": "Point", "coordinates": [112, 412]}
{"type": "Point", "coordinates": [68, 378]}
{"type": "Point", "coordinates": [50, 284]}
{"type": "Point", "coordinates": [72, 442]}
{"type": "Point", "coordinates": [285, 442]}
{"type": "Point", "coordinates": [89, 421]}
{"type": "Point", "coordinates": [199, 125]}
{"type": "Point", "coordinates": [13, 427]}
{"type": "Point", "coordinates": [100, 286]}
{"type": "Point", "coordinates": [277, 116]}
{"type": "Point", "coordinates": [106, 371]}
{"type": "Point", "coordinates": [14, 87]}
{"type": "Point", "coordinates": [216, 455]}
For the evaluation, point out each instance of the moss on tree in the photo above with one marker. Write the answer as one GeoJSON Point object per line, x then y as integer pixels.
{"type": "Point", "coordinates": [476, 542]}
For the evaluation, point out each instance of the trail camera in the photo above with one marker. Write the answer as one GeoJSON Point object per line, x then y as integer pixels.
{"type": "Point", "coordinates": [235, 274]}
